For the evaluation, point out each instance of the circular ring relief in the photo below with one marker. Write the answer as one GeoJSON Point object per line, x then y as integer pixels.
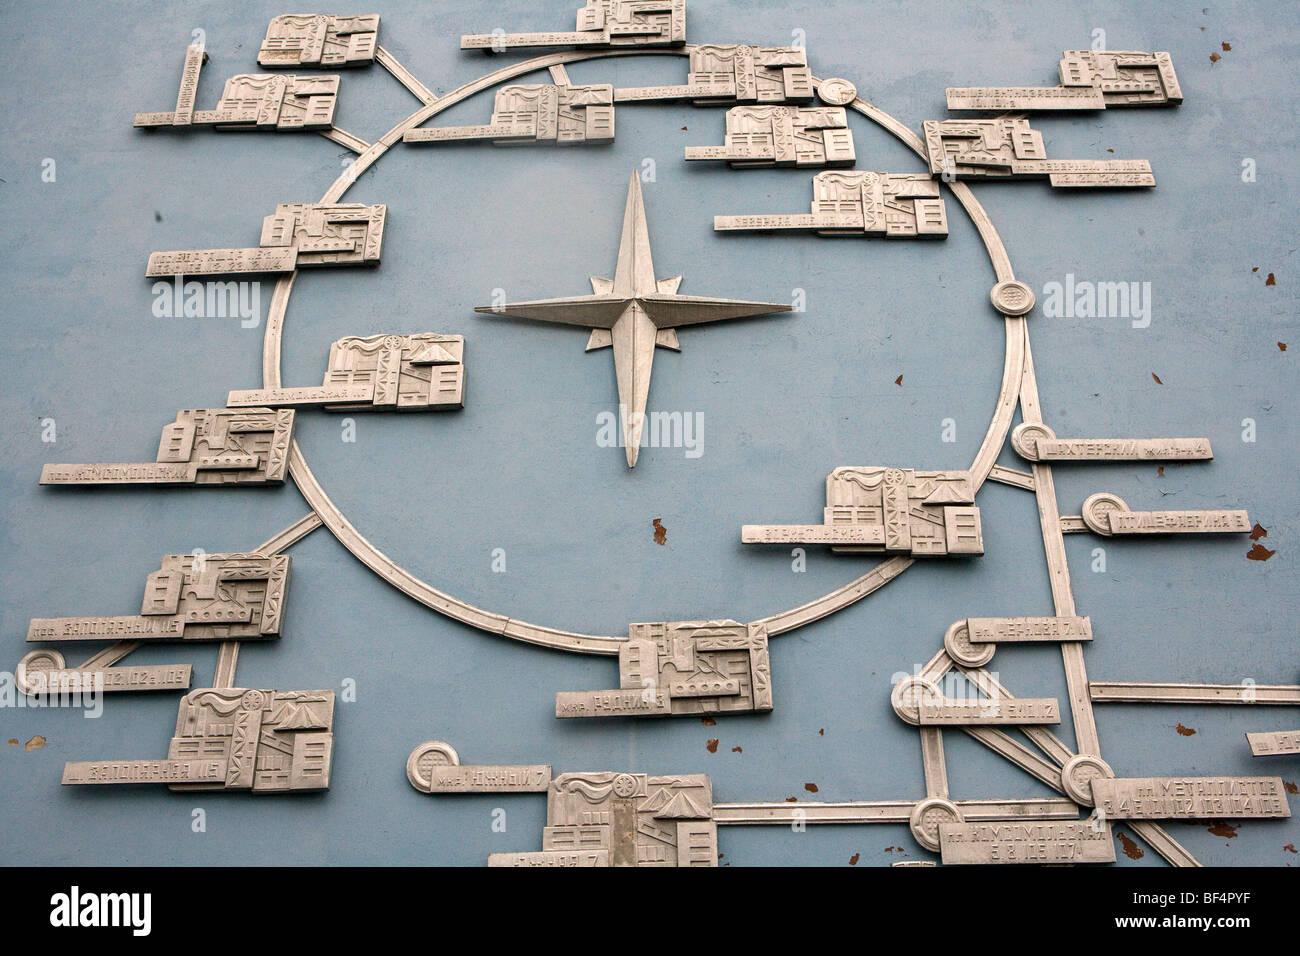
{"type": "Point", "coordinates": [1078, 774]}
{"type": "Point", "coordinates": [957, 642]}
{"type": "Point", "coordinates": [430, 754]}
{"type": "Point", "coordinates": [836, 90]}
{"type": "Point", "coordinates": [926, 817]}
{"type": "Point", "coordinates": [1012, 297]}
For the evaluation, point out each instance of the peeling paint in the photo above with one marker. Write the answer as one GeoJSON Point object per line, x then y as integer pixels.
{"type": "Point", "coordinates": [1131, 849]}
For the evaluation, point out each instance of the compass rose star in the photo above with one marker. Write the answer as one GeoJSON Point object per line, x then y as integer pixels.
{"type": "Point", "coordinates": [633, 313]}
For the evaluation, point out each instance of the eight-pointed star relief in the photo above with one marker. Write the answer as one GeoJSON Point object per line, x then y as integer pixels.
{"type": "Point", "coordinates": [633, 313]}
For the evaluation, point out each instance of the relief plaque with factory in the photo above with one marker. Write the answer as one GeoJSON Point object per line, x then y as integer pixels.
{"type": "Point", "coordinates": [205, 447]}
{"type": "Point", "coordinates": [891, 510]}
{"type": "Point", "coordinates": [319, 41]}
{"type": "Point", "coordinates": [420, 372]}
{"type": "Point", "coordinates": [1008, 148]}
{"type": "Point", "coordinates": [250, 101]}
{"type": "Point", "coordinates": [682, 667]}
{"type": "Point", "coordinates": [600, 23]}
{"type": "Point", "coordinates": [889, 205]}
{"type": "Point", "coordinates": [232, 738]}
{"type": "Point", "coordinates": [297, 235]}
{"type": "Point", "coordinates": [1090, 80]}
{"type": "Point", "coordinates": [724, 74]}
{"type": "Point", "coordinates": [550, 113]}
{"type": "Point", "coordinates": [192, 597]}
{"type": "Point", "coordinates": [592, 819]}
{"type": "Point", "coordinates": [782, 136]}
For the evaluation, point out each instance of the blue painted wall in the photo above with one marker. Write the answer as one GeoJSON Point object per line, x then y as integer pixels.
{"type": "Point", "coordinates": [783, 399]}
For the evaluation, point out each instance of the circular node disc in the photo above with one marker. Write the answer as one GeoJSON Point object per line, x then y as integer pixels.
{"type": "Point", "coordinates": [1097, 508]}
{"type": "Point", "coordinates": [837, 91]}
{"type": "Point", "coordinates": [34, 663]}
{"type": "Point", "coordinates": [1012, 297]}
{"type": "Point", "coordinates": [430, 754]}
{"type": "Point", "coordinates": [906, 697]}
{"type": "Point", "coordinates": [957, 642]}
{"type": "Point", "coordinates": [1025, 437]}
{"type": "Point", "coordinates": [926, 817]}
{"type": "Point", "coordinates": [1078, 774]}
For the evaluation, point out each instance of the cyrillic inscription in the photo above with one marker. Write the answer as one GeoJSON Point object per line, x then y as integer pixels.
{"type": "Point", "coordinates": [1016, 710]}
{"type": "Point", "coordinates": [1190, 798]}
{"type": "Point", "coordinates": [1019, 630]}
{"type": "Point", "coordinates": [1026, 842]}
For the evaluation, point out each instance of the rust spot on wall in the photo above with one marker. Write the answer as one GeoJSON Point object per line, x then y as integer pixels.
{"type": "Point", "coordinates": [822, 732]}
{"type": "Point", "coordinates": [1226, 46]}
{"type": "Point", "coordinates": [708, 721]}
{"type": "Point", "coordinates": [1157, 378]}
{"type": "Point", "coordinates": [711, 745]}
{"type": "Point", "coordinates": [1290, 787]}
{"type": "Point", "coordinates": [1257, 532]}
{"type": "Point", "coordinates": [1215, 58]}
{"type": "Point", "coordinates": [13, 741]}
{"type": "Point", "coordinates": [35, 743]}
{"type": "Point", "coordinates": [899, 380]}
{"type": "Point", "coordinates": [1184, 731]}
{"type": "Point", "coordinates": [737, 750]}
{"type": "Point", "coordinates": [661, 533]}
{"type": "Point", "coordinates": [1281, 346]}
{"type": "Point", "coordinates": [1222, 828]}
{"type": "Point", "coordinates": [853, 860]}
{"type": "Point", "coordinates": [810, 787]}
{"type": "Point", "coordinates": [1131, 849]}
{"type": "Point", "coordinates": [1271, 280]}
{"type": "Point", "coordinates": [1289, 847]}
{"type": "Point", "coordinates": [1258, 552]}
